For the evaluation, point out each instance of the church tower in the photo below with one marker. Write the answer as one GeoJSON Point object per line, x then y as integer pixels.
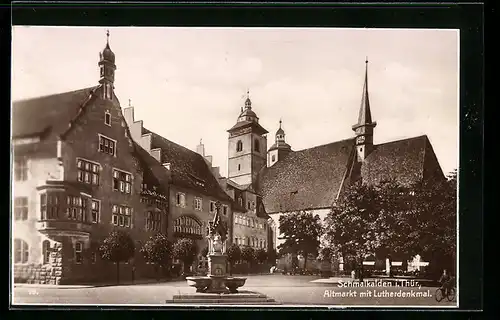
{"type": "Point", "coordinates": [364, 128]}
{"type": "Point", "coordinates": [279, 149]}
{"type": "Point", "coordinates": [247, 146]}
{"type": "Point", "coordinates": [107, 69]}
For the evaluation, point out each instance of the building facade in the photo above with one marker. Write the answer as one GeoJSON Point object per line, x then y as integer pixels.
{"type": "Point", "coordinates": [194, 192]}
{"type": "Point", "coordinates": [78, 176]}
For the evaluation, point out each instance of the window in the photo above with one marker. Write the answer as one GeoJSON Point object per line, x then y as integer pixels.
{"type": "Point", "coordinates": [88, 172]}
{"type": "Point", "coordinates": [46, 251]}
{"type": "Point", "coordinates": [96, 210]}
{"type": "Point", "coordinates": [198, 204]}
{"type": "Point", "coordinates": [122, 216]}
{"type": "Point", "coordinates": [212, 206]}
{"type": "Point", "coordinates": [153, 221]}
{"type": "Point", "coordinates": [240, 201]}
{"type": "Point", "coordinates": [239, 167]}
{"type": "Point", "coordinates": [256, 146]}
{"type": "Point", "coordinates": [273, 158]}
{"type": "Point", "coordinates": [107, 145]}
{"type": "Point", "coordinates": [49, 206]}
{"type": "Point", "coordinates": [249, 205]}
{"type": "Point", "coordinates": [239, 146]}
{"type": "Point", "coordinates": [78, 252]}
{"type": "Point", "coordinates": [108, 94]}
{"type": "Point", "coordinates": [224, 209]}
{"type": "Point", "coordinates": [21, 169]}
{"type": "Point", "coordinates": [21, 208]}
{"type": "Point", "coordinates": [122, 181]}
{"type": "Point", "coordinates": [21, 251]}
{"type": "Point", "coordinates": [181, 199]}
{"type": "Point", "coordinates": [187, 225]}
{"type": "Point", "coordinates": [107, 118]}
{"type": "Point", "coordinates": [253, 205]}
{"type": "Point", "coordinates": [77, 208]}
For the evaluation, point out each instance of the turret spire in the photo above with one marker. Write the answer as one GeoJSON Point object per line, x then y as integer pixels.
{"type": "Point", "coordinates": [365, 125]}
{"type": "Point", "coordinates": [365, 115]}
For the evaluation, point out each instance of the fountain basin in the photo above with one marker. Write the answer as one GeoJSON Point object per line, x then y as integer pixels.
{"type": "Point", "coordinates": [206, 283]}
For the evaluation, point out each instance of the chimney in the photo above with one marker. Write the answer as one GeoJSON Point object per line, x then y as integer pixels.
{"type": "Point", "coordinates": [200, 149]}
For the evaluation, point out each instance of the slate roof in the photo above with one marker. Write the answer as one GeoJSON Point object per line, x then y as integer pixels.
{"type": "Point", "coordinates": [306, 179]}
{"type": "Point", "coordinates": [402, 160]}
{"type": "Point", "coordinates": [312, 178]}
{"type": "Point", "coordinates": [156, 170]}
{"type": "Point", "coordinates": [50, 114]}
{"type": "Point", "coordinates": [188, 168]}
{"type": "Point", "coordinates": [243, 124]}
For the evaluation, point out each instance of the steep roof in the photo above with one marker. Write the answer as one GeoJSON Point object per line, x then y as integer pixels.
{"type": "Point", "coordinates": [47, 114]}
{"type": "Point", "coordinates": [244, 124]}
{"type": "Point", "coordinates": [306, 179]}
{"type": "Point", "coordinates": [188, 169]}
{"type": "Point", "coordinates": [402, 160]}
{"type": "Point", "coordinates": [156, 170]}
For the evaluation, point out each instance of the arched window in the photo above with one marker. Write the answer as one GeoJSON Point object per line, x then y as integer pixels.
{"type": "Point", "coordinates": [187, 225]}
{"type": "Point", "coordinates": [239, 146]}
{"type": "Point", "coordinates": [256, 145]}
{"type": "Point", "coordinates": [46, 251]}
{"type": "Point", "coordinates": [21, 251]}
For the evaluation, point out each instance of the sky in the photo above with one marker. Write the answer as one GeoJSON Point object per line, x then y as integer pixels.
{"type": "Point", "coordinates": [188, 84]}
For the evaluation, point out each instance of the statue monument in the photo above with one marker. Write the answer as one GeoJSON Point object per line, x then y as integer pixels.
{"type": "Point", "coordinates": [217, 287]}
{"type": "Point", "coordinates": [217, 279]}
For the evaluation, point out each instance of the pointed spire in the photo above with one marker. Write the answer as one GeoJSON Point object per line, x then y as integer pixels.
{"type": "Point", "coordinates": [107, 38]}
{"type": "Point", "coordinates": [248, 102]}
{"type": "Point", "coordinates": [365, 115]}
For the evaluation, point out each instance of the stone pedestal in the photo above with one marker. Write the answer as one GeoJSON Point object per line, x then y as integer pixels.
{"type": "Point", "coordinates": [217, 265]}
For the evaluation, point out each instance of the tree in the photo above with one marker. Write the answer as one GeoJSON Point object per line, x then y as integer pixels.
{"type": "Point", "coordinates": [204, 252]}
{"type": "Point", "coordinates": [248, 255]}
{"type": "Point", "coordinates": [233, 255]}
{"type": "Point", "coordinates": [272, 255]}
{"type": "Point", "coordinates": [325, 254]}
{"type": "Point", "coordinates": [158, 250]}
{"type": "Point", "coordinates": [301, 231]}
{"type": "Point", "coordinates": [393, 219]}
{"type": "Point", "coordinates": [352, 226]}
{"type": "Point", "coordinates": [117, 247]}
{"type": "Point", "coordinates": [435, 207]}
{"type": "Point", "coordinates": [185, 250]}
{"type": "Point", "coordinates": [261, 255]}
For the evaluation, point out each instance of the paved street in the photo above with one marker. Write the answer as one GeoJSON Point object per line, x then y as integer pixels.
{"type": "Point", "coordinates": [296, 290]}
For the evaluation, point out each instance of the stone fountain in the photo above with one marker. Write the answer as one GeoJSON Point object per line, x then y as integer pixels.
{"type": "Point", "coordinates": [217, 286]}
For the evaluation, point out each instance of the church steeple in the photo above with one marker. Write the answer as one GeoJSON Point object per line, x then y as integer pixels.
{"type": "Point", "coordinates": [107, 69]}
{"type": "Point", "coordinates": [364, 127]}
{"type": "Point", "coordinates": [247, 114]}
{"type": "Point", "coordinates": [279, 149]}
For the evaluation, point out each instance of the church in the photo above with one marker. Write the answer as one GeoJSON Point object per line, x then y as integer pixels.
{"type": "Point", "coordinates": [281, 180]}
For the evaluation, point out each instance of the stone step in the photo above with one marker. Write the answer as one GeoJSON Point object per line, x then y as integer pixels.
{"type": "Point", "coordinates": [233, 299]}
{"type": "Point", "coordinates": [217, 297]}
{"type": "Point", "coordinates": [223, 301]}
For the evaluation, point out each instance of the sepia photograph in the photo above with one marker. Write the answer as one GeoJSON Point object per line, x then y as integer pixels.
{"type": "Point", "coordinates": [266, 167]}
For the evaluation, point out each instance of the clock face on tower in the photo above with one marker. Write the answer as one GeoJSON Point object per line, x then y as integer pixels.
{"type": "Point", "coordinates": [360, 139]}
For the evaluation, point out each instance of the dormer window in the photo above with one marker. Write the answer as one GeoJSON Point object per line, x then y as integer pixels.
{"type": "Point", "coordinates": [239, 146]}
{"type": "Point", "coordinates": [107, 118]}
